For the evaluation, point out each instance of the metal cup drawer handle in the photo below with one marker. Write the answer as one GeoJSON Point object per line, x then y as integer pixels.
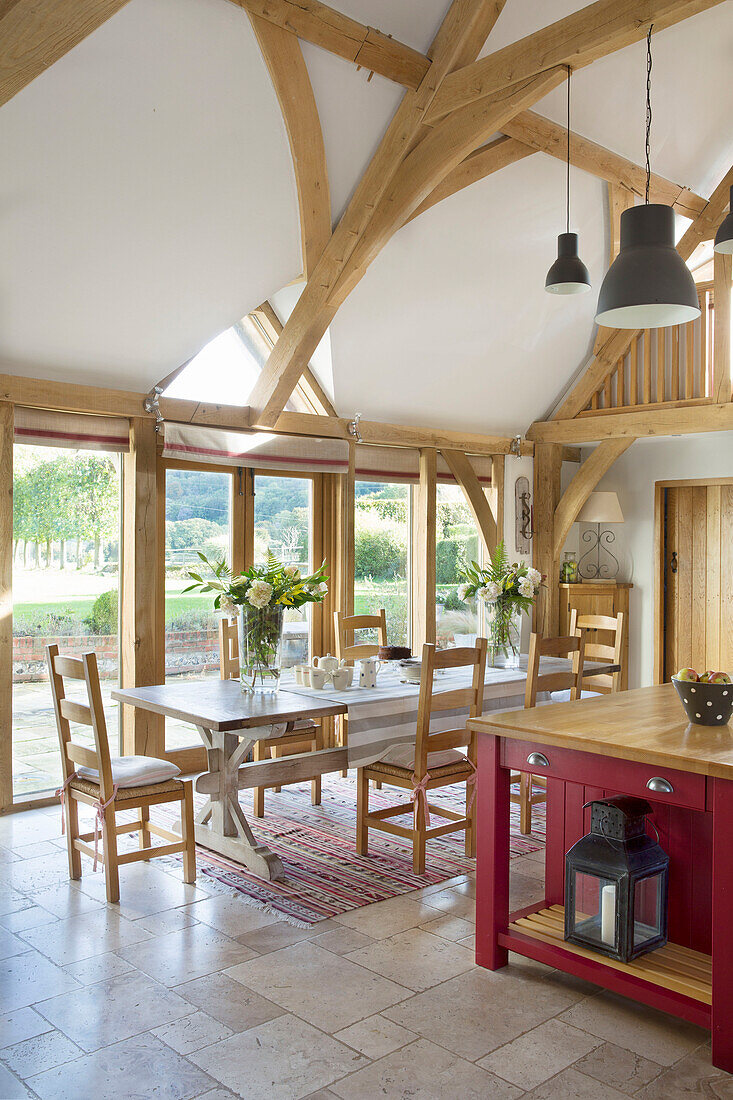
{"type": "Point", "coordinates": [538, 760]}
{"type": "Point", "coordinates": [660, 785]}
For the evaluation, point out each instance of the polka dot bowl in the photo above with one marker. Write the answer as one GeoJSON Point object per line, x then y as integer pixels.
{"type": "Point", "coordinates": [705, 704]}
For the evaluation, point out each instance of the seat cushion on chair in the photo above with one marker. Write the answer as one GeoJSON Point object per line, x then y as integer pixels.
{"type": "Point", "coordinates": [564, 696]}
{"type": "Point", "coordinates": [403, 756]}
{"type": "Point", "coordinates": [148, 790]}
{"type": "Point", "coordinates": [134, 771]}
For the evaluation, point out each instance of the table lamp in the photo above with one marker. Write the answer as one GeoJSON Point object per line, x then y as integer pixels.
{"type": "Point", "coordinates": [598, 563]}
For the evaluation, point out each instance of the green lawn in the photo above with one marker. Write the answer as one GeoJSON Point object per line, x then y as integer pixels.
{"type": "Point", "coordinates": [81, 606]}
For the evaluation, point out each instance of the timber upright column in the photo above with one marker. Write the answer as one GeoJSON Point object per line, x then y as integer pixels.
{"type": "Point", "coordinates": [547, 471]}
{"type": "Point", "coordinates": [423, 552]}
{"type": "Point", "coordinates": [6, 604]}
{"type": "Point", "coordinates": [142, 731]}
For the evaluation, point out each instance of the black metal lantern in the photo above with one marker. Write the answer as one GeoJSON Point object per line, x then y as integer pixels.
{"type": "Point", "coordinates": [616, 883]}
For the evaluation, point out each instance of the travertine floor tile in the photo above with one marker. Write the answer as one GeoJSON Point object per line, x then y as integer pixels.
{"type": "Point", "coordinates": [107, 1012]}
{"type": "Point", "coordinates": [25, 979]}
{"type": "Point", "coordinates": [170, 920]}
{"type": "Point", "coordinates": [69, 941]}
{"type": "Point", "coordinates": [284, 1059]}
{"type": "Point", "coordinates": [325, 989]}
{"type": "Point", "coordinates": [621, 1068]}
{"type": "Point", "coordinates": [10, 1087]}
{"type": "Point", "coordinates": [341, 940]}
{"type": "Point", "coordinates": [281, 934]}
{"type": "Point", "coordinates": [10, 944]}
{"type": "Point", "coordinates": [67, 900]}
{"type": "Point", "coordinates": [31, 917]}
{"type": "Point", "coordinates": [230, 1002]}
{"type": "Point", "coordinates": [652, 1034]}
{"type": "Point", "coordinates": [192, 1032]}
{"type": "Point", "coordinates": [477, 1012]}
{"type": "Point", "coordinates": [40, 1053]}
{"type": "Point", "coordinates": [31, 876]}
{"type": "Point", "coordinates": [450, 928]}
{"type": "Point", "coordinates": [137, 1062]}
{"type": "Point", "coordinates": [189, 953]}
{"type": "Point", "coordinates": [414, 958]}
{"type": "Point", "coordinates": [694, 1076]}
{"type": "Point", "coordinates": [98, 968]}
{"type": "Point", "coordinates": [539, 1054]}
{"type": "Point", "coordinates": [227, 913]}
{"type": "Point", "coordinates": [144, 890]}
{"type": "Point", "coordinates": [375, 1036]}
{"type": "Point", "coordinates": [22, 1024]}
{"type": "Point", "coordinates": [454, 902]}
{"type": "Point", "coordinates": [386, 918]}
{"type": "Point", "coordinates": [423, 1071]}
{"type": "Point", "coordinates": [572, 1085]}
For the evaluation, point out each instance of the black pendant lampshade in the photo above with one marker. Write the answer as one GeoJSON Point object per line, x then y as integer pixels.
{"type": "Point", "coordinates": [568, 274]}
{"type": "Point", "coordinates": [648, 285]}
{"type": "Point", "coordinates": [724, 236]}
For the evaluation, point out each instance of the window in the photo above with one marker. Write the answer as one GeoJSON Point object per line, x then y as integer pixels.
{"type": "Point", "coordinates": [457, 543]}
{"type": "Point", "coordinates": [283, 515]}
{"type": "Point", "coordinates": [197, 517]}
{"type": "Point", "coordinates": [382, 555]}
{"type": "Point", "coordinates": [66, 577]}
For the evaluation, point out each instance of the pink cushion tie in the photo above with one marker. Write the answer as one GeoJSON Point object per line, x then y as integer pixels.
{"type": "Point", "coordinates": [99, 808]}
{"type": "Point", "coordinates": [420, 791]}
{"type": "Point", "coordinates": [61, 795]}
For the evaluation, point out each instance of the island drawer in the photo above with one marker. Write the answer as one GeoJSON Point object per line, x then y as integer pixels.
{"type": "Point", "coordinates": [632, 777]}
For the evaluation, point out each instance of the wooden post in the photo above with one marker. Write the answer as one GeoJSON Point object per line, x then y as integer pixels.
{"type": "Point", "coordinates": [345, 500]}
{"type": "Point", "coordinates": [423, 552]}
{"type": "Point", "coordinates": [721, 337]}
{"type": "Point", "coordinates": [496, 496]}
{"type": "Point", "coordinates": [547, 470]}
{"type": "Point", "coordinates": [6, 605]}
{"type": "Point", "coordinates": [142, 731]}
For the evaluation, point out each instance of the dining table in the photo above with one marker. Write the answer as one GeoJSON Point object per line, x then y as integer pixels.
{"type": "Point", "coordinates": [230, 722]}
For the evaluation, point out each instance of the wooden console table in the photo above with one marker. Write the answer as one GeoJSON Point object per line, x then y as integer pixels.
{"type": "Point", "coordinates": [595, 748]}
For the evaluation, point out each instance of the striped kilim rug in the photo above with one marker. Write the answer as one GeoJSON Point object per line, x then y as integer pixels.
{"type": "Point", "coordinates": [323, 874]}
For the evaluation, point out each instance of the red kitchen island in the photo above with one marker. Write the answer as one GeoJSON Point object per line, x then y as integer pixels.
{"type": "Point", "coordinates": [635, 743]}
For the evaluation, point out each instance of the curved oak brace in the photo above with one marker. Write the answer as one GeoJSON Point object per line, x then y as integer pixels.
{"type": "Point", "coordinates": [284, 59]}
{"type": "Point", "coordinates": [581, 487]}
{"type": "Point", "coordinates": [460, 466]}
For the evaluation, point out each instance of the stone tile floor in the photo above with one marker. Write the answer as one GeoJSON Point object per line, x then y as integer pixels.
{"type": "Point", "coordinates": [184, 992]}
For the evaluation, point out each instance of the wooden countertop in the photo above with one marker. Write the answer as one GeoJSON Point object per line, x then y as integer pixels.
{"type": "Point", "coordinates": [647, 724]}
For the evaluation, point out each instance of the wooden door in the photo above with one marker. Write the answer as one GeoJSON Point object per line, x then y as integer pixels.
{"type": "Point", "coordinates": [698, 578]}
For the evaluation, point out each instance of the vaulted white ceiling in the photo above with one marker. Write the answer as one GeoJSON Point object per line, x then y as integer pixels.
{"type": "Point", "coordinates": [147, 202]}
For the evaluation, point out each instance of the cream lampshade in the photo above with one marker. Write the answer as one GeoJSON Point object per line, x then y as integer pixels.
{"type": "Point", "coordinates": [598, 563]}
{"type": "Point", "coordinates": [601, 508]}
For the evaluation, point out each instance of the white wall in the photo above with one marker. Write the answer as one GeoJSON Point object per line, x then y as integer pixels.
{"type": "Point", "coordinates": [633, 477]}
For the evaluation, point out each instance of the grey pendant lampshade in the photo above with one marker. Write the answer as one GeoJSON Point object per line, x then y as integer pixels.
{"type": "Point", "coordinates": [568, 274]}
{"type": "Point", "coordinates": [648, 285]}
{"type": "Point", "coordinates": [724, 236]}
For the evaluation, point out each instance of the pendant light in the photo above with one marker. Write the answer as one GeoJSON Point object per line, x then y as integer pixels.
{"type": "Point", "coordinates": [568, 274]}
{"type": "Point", "coordinates": [724, 236]}
{"type": "Point", "coordinates": [648, 285]}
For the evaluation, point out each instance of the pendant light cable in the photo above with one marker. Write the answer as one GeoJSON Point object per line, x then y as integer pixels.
{"type": "Point", "coordinates": [567, 189]}
{"type": "Point", "coordinates": [648, 108]}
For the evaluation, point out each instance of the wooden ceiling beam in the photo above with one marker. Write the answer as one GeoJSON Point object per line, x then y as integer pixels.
{"type": "Point", "coordinates": [619, 341]}
{"type": "Point", "coordinates": [460, 466]}
{"type": "Point", "coordinates": [311, 315]}
{"type": "Point", "coordinates": [312, 390]}
{"type": "Point", "coordinates": [36, 33]}
{"type": "Point", "coordinates": [286, 65]}
{"type": "Point", "coordinates": [582, 485]}
{"type": "Point", "coordinates": [577, 40]}
{"type": "Point", "coordinates": [681, 420]}
{"type": "Point", "coordinates": [547, 137]}
{"type": "Point", "coordinates": [325, 27]}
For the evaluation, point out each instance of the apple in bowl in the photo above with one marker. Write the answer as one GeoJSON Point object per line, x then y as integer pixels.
{"type": "Point", "coordinates": [687, 674]}
{"type": "Point", "coordinates": [707, 699]}
{"type": "Point", "coordinates": [711, 677]}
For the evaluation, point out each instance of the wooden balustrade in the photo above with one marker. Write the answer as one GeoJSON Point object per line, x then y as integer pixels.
{"type": "Point", "coordinates": [666, 366]}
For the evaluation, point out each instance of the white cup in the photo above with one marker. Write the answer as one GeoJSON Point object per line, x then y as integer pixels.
{"type": "Point", "coordinates": [298, 671]}
{"type": "Point", "coordinates": [342, 678]}
{"type": "Point", "coordinates": [305, 675]}
{"type": "Point", "coordinates": [318, 678]}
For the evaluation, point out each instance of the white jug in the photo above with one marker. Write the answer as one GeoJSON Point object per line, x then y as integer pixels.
{"type": "Point", "coordinates": [369, 667]}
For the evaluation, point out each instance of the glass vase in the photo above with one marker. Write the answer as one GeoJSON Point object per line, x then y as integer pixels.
{"type": "Point", "coordinates": [260, 649]}
{"type": "Point", "coordinates": [504, 634]}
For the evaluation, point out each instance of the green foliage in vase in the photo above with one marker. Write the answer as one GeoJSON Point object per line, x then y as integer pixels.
{"type": "Point", "coordinates": [501, 582]}
{"type": "Point", "coordinates": [260, 586]}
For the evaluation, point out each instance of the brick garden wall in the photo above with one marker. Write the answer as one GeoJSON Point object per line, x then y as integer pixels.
{"type": "Point", "coordinates": [186, 651]}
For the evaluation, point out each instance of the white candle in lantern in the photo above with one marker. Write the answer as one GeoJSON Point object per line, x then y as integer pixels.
{"type": "Point", "coordinates": [608, 915]}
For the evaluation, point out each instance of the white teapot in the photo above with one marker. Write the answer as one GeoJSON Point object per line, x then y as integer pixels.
{"type": "Point", "coordinates": [369, 667]}
{"type": "Point", "coordinates": [328, 663]}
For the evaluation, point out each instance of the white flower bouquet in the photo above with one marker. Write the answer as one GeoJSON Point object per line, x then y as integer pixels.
{"type": "Point", "coordinates": [507, 589]}
{"type": "Point", "coordinates": [261, 594]}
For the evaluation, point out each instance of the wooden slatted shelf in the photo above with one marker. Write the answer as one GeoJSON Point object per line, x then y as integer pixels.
{"type": "Point", "coordinates": [672, 967]}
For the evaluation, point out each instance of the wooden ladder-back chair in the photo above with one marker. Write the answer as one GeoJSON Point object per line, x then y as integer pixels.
{"type": "Point", "coordinates": [548, 681]}
{"type": "Point", "coordinates": [433, 761]}
{"type": "Point", "coordinates": [301, 736]}
{"type": "Point", "coordinates": [346, 624]}
{"type": "Point", "coordinates": [108, 793]}
{"type": "Point", "coordinates": [612, 649]}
